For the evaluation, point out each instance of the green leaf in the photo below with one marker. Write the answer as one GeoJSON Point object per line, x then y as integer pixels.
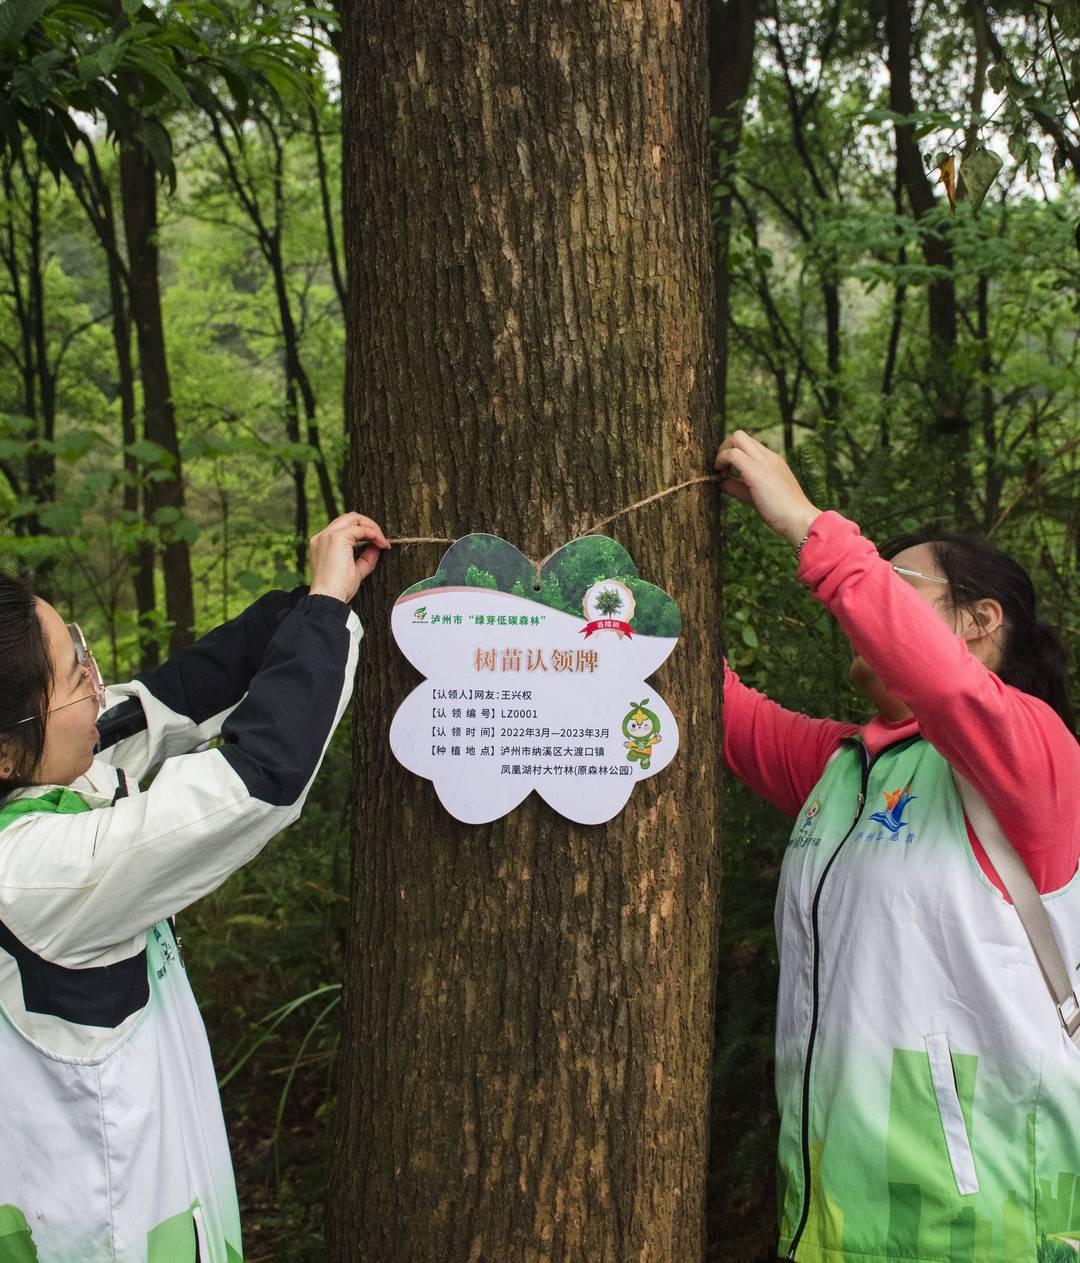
{"type": "Point", "coordinates": [749, 636]}
{"type": "Point", "coordinates": [155, 140]}
{"type": "Point", "coordinates": [251, 582]}
{"type": "Point", "coordinates": [997, 76]}
{"type": "Point", "coordinates": [166, 515]}
{"type": "Point", "coordinates": [59, 518]}
{"type": "Point", "coordinates": [250, 921]}
{"type": "Point", "coordinates": [17, 17]}
{"type": "Point", "coordinates": [100, 63]}
{"type": "Point", "coordinates": [148, 452]}
{"type": "Point", "coordinates": [157, 68]}
{"type": "Point", "coordinates": [978, 171]}
{"type": "Point", "coordinates": [74, 445]}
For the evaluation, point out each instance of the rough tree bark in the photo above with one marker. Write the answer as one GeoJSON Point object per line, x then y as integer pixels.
{"type": "Point", "coordinates": [528, 1005]}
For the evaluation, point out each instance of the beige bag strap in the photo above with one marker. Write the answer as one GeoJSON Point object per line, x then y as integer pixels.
{"type": "Point", "coordinates": [1028, 904]}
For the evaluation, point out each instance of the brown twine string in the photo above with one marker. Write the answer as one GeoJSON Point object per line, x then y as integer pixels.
{"type": "Point", "coordinates": [604, 521]}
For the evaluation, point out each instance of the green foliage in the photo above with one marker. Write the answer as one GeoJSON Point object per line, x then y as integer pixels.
{"type": "Point", "coordinates": [264, 954]}
{"type": "Point", "coordinates": [129, 68]}
{"type": "Point", "coordinates": [484, 561]}
{"type": "Point", "coordinates": [1051, 1251]}
{"type": "Point", "coordinates": [477, 578]}
{"type": "Point", "coordinates": [829, 360]}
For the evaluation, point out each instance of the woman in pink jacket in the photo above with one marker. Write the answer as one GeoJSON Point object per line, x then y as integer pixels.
{"type": "Point", "coordinates": [927, 1084]}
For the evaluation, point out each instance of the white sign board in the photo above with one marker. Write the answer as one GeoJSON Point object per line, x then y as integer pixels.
{"type": "Point", "coordinates": [535, 688]}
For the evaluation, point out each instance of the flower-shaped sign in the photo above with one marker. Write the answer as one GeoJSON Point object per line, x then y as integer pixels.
{"type": "Point", "coordinates": [535, 687]}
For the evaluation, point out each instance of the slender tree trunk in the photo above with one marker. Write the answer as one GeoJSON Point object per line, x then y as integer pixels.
{"type": "Point", "coordinates": [141, 553]}
{"type": "Point", "coordinates": [24, 263]}
{"type": "Point", "coordinates": [299, 384]}
{"type": "Point", "coordinates": [896, 325]}
{"type": "Point", "coordinates": [138, 189]}
{"type": "Point", "coordinates": [948, 389]}
{"type": "Point", "coordinates": [731, 66]}
{"type": "Point", "coordinates": [937, 250]}
{"type": "Point", "coordinates": [298, 389]}
{"type": "Point", "coordinates": [327, 199]}
{"type": "Point", "coordinates": [528, 1004]}
{"type": "Point", "coordinates": [94, 193]}
{"type": "Point", "coordinates": [994, 477]}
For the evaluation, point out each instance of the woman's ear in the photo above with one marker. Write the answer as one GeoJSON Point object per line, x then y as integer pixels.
{"type": "Point", "coordinates": [981, 619]}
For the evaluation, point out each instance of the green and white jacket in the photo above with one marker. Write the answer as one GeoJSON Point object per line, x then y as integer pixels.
{"type": "Point", "coordinates": [112, 1142]}
{"type": "Point", "coordinates": [929, 1097]}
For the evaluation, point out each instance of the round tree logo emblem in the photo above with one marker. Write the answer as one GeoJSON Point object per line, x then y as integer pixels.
{"type": "Point", "coordinates": [609, 606]}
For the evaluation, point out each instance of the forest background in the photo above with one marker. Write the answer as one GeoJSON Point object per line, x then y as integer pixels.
{"type": "Point", "coordinates": [172, 420]}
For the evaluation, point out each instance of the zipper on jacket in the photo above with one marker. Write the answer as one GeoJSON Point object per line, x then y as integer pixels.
{"type": "Point", "coordinates": [805, 1121]}
{"type": "Point", "coordinates": [805, 1127]}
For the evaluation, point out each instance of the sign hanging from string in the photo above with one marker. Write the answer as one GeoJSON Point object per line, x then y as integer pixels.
{"type": "Point", "coordinates": [535, 679]}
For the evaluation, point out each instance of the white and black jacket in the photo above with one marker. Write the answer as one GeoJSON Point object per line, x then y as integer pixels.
{"type": "Point", "coordinates": [112, 1144]}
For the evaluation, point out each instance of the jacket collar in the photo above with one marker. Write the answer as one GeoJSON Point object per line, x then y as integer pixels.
{"type": "Point", "coordinates": [97, 786]}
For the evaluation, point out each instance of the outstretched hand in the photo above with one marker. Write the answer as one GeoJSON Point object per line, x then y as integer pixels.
{"type": "Point", "coordinates": [766, 482]}
{"type": "Point", "coordinates": [336, 567]}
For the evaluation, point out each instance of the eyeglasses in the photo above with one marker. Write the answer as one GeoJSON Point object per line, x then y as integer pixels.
{"type": "Point", "coordinates": [90, 670]}
{"type": "Point", "coordinates": [918, 574]}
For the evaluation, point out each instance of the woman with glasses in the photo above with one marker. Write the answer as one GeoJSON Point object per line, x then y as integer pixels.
{"type": "Point", "coordinates": [926, 1083]}
{"type": "Point", "coordinates": [112, 1143]}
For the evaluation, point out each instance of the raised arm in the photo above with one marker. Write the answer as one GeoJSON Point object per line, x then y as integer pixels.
{"type": "Point", "coordinates": [73, 887]}
{"type": "Point", "coordinates": [1013, 747]}
{"type": "Point", "coordinates": [778, 753]}
{"type": "Point", "coordinates": [184, 702]}
{"type": "Point", "coordinates": [77, 889]}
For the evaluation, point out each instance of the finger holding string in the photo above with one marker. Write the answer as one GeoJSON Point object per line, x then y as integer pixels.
{"type": "Point", "coordinates": [762, 478]}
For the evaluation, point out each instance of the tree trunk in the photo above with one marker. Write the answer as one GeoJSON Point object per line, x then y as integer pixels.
{"type": "Point", "coordinates": [138, 189]}
{"type": "Point", "coordinates": [948, 389]}
{"type": "Point", "coordinates": [528, 1004]}
{"type": "Point", "coordinates": [731, 66]}
{"type": "Point", "coordinates": [269, 232]}
{"type": "Point", "coordinates": [95, 195]}
{"type": "Point", "coordinates": [22, 252]}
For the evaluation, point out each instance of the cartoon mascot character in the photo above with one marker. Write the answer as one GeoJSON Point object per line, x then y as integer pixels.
{"type": "Point", "coordinates": [641, 727]}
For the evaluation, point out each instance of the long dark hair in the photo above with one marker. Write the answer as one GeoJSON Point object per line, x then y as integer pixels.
{"type": "Point", "coordinates": [1033, 658]}
{"type": "Point", "coordinates": [25, 681]}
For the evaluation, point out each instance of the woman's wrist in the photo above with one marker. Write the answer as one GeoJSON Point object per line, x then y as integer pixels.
{"type": "Point", "coordinates": [321, 594]}
{"type": "Point", "coordinates": [799, 527]}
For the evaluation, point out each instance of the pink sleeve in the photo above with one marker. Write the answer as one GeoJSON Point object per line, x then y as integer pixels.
{"type": "Point", "coordinates": [778, 753]}
{"type": "Point", "coordinates": [1012, 747]}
